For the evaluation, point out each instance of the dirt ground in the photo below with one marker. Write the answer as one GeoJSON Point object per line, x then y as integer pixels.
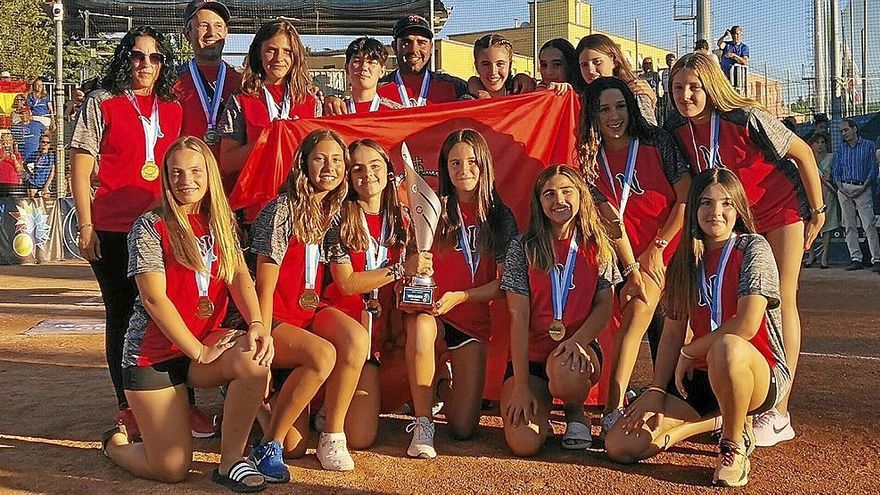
{"type": "Point", "coordinates": [56, 399]}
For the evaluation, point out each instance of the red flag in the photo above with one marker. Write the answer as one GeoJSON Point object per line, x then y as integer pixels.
{"type": "Point", "coordinates": [525, 134]}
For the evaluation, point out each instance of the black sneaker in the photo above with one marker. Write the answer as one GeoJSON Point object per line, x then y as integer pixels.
{"type": "Point", "coordinates": [855, 265]}
{"type": "Point", "coordinates": [877, 267]}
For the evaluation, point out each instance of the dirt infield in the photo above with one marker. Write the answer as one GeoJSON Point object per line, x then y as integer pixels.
{"type": "Point", "coordinates": [56, 399]}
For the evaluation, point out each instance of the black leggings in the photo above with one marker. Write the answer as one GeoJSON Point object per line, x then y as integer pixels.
{"type": "Point", "coordinates": [118, 292]}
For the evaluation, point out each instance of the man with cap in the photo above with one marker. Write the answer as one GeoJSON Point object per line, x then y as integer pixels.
{"type": "Point", "coordinates": [203, 87]}
{"type": "Point", "coordinates": [205, 83]}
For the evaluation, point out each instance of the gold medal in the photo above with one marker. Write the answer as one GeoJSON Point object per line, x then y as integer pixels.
{"type": "Point", "coordinates": [309, 300]}
{"type": "Point", "coordinates": [205, 308]}
{"type": "Point", "coordinates": [373, 306]}
{"type": "Point", "coordinates": [150, 171]}
{"type": "Point", "coordinates": [557, 330]}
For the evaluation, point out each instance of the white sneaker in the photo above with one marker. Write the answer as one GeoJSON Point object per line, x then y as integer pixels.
{"type": "Point", "coordinates": [772, 428]}
{"type": "Point", "coordinates": [608, 421]}
{"type": "Point", "coordinates": [333, 453]}
{"type": "Point", "coordinates": [422, 444]}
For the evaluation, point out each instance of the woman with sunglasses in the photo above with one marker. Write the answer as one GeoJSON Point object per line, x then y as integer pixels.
{"type": "Point", "coordinates": [130, 123]}
{"type": "Point", "coordinates": [275, 85]}
{"type": "Point", "coordinates": [40, 168]}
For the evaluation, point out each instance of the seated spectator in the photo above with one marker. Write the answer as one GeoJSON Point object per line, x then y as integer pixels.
{"type": "Point", "coordinates": [40, 169]}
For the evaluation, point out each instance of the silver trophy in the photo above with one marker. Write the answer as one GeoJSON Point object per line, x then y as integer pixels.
{"type": "Point", "coordinates": [416, 293]}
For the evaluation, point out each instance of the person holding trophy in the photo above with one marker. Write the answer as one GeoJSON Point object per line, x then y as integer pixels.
{"type": "Point", "coordinates": [558, 280]}
{"type": "Point", "coordinates": [317, 345]}
{"type": "Point", "coordinates": [473, 232]}
{"type": "Point", "coordinates": [365, 249]}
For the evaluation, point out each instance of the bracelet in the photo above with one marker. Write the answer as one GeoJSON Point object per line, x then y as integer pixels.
{"type": "Point", "coordinates": [396, 270]}
{"type": "Point", "coordinates": [661, 243]}
{"type": "Point", "coordinates": [686, 355]}
{"type": "Point", "coordinates": [655, 389]}
{"type": "Point", "coordinates": [256, 321]}
{"type": "Point", "coordinates": [85, 225]}
{"type": "Point", "coordinates": [630, 268]}
{"type": "Point", "coordinates": [821, 209]}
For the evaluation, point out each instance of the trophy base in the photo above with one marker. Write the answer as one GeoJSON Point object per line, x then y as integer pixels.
{"type": "Point", "coordinates": [413, 298]}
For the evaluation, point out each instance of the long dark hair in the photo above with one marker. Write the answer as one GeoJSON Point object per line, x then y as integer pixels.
{"type": "Point", "coordinates": [117, 71]}
{"type": "Point", "coordinates": [681, 281]}
{"type": "Point", "coordinates": [589, 135]}
{"type": "Point", "coordinates": [298, 78]}
{"type": "Point", "coordinates": [572, 71]}
{"type": "Point", "coordinates": [352, 232]}
{"type": "Point", "coordinates": [488, 202]}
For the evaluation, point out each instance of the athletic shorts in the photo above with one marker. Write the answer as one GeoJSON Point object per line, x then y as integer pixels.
{"type": "Point", "coordinates": [539, 370]}
{"type": "Point", "coordinates": [702, 399]}
{"type": "Point", "coordinates": [158, 376]}
{"type": "Point", "coordinates": [455, 338]}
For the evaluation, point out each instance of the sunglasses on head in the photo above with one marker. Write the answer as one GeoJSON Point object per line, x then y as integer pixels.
{"type": "Point", "coordinates": [137, 56]}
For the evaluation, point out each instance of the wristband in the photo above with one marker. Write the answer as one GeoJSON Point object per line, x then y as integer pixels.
{"type": "Point", "coordinates": [655, 389]}
{"type": "Point", "coordinates": [686, 355]}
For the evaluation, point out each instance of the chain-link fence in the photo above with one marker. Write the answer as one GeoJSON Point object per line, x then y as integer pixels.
{"type": "Point", "coordinates": [798, 63]}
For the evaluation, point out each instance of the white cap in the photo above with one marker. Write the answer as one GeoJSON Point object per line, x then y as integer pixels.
{"type": "Point", "coordinates": [5, 73]}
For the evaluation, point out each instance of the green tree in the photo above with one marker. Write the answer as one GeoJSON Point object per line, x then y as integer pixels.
{"type": "Point", "coordinates": [26, 31]}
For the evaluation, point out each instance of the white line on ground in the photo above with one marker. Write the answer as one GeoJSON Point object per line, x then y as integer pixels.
{"type": "Point", "coordinates": [840, 356]}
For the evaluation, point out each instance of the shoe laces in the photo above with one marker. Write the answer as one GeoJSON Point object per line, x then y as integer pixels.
{"type": "Point", "coordinates": [728, 453]}
{"type": "Point", "coordinates": [423, 430]}
{"type": "Point", "coordinates": [763, 420]}
{"type": "Point", "coordinates": [335, 446]}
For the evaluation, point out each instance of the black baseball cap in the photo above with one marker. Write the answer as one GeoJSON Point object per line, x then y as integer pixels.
{"type": "Point", "coordinates": [197, 5]}
{"type": "Point", "coordinates": [415, 23]}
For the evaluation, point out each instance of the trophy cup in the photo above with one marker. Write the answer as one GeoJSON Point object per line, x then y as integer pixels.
{"type": "Point", "coordinates": [415, 294]}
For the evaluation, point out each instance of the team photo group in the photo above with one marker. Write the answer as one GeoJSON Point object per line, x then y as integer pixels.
{"type": "Point", "coordinates": [340, 292]}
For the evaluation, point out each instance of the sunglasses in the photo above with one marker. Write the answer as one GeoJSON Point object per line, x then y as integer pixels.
{"type": "Point", "coordinates": [45, 142]}
{"type": "Point", "coordinates": [138, 57]}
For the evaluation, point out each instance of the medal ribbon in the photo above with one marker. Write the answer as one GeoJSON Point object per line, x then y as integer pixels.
{"type": "Point", "coordinates": [373, 106]}
{"type": "Point", "coordinates": [311, 262]}
{"type": "Point", "coordinates": [152, 131]}
{"type": "Point", "coordinates": [211, 106]}
{"type": "Point", "coordinates": [206, 249]}
{"type": "Point", "coordinates": [404, 95]}
{"type": "Point", "coordinates": [377, 254]}
{"type": "Point", "coordinates": [715, 300]}
{"type": "Point", "coordinates": [560, 283]}
{"type": "Point", "coordinates": [276, 111]}
{"type": "Point", "coordinates": [471, 258]}
{"type": "Point", "coordinates": [714, 138]}
{"type": "Point", "coordinates": [628, 174]}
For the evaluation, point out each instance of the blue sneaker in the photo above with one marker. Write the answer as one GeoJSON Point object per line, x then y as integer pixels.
{"type": "Point", "coordinates": [267, 457]}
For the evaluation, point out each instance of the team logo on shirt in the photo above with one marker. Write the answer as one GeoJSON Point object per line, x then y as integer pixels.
{"type": "Point", "coordinates": [635, 187]}
{"type": "Point", "coordinates": [706, 295]}
{"type": "Point", "coordinates": [206, 247]}
{"type": "Point", "coordinates": [560, 268]}
{"type": "Point", "coordinates": [707, 157]}
{"type": "Point", "coordinates": [471, 239]}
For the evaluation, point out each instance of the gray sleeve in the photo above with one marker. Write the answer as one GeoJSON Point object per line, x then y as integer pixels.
{"type": "Point", "coordinates": [516, 268]}
{"type": "Point", "coordinates": [335, 251]}
{"type": "Point", "coordinates": [758, 274]}
{"type": "Point", "coordinates": [88, 130]}
{"type": "Point", "coordinates": [231, 123]}
{"type": "Point", "coordinates": [506, 232]}
{"type": "Point", "coordinates": [674, 162]}
{"type": "Point", "coordinates": [145, 247]}
{"type": "Point", "coordinates": [646, 106]}
{"type": "Point", "coordinates": [270, 233]}
{"type": "Point", "coordinates": [609, 276]}
{"type": "Point", "coordinates": [768, 134]}
{"type": "Point", "coordinates": [597, 195]}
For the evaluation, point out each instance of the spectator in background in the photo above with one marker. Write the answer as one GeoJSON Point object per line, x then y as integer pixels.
{"type": "Point", "coordinates": [40, 169]}
{"type": "Point", "coordinates": [733, 51]}
{"type": "Point", "coordinates": [702, 46]}
{"type": "Point", "coordinates": [854, 172]}
{"type": "Point", "coordinates": [650, 75]}
{"type": "Point", "coordinates": [71, 108]}
{"type": "Point", "coordinates": [821, 145]}
{"type": "Point", "coordinates": [790, 123]}
{"type": "Point", "coordinates": [11, 165]}
{"type": "Point", "coordinates": [663, 92]}
{"type": "Point", "coordinates": [820, 121]}
{"type": "Point", "coordinates": [40, 103]}
{"type": "Point", "coordinates": [26, 134]}
{"type": "Point", "coordinates": [18, 106]}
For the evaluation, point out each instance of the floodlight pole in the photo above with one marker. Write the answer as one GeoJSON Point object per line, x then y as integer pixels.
{"type": "Point", "coordinates": [535, 62]}
{"type": "Point", "coordinates": [433, 32]}
{"type": "Point", "coordinates": [60, 168]}
{"type": "Point", "coordinates": [704, 21]}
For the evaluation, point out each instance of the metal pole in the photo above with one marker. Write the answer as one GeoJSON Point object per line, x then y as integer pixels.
{"type": "Point", "coordinates": [819, 54]}
{"type": "Point", "coordinates": [535, 61]}
{"type": "Point", "coordinates": [431, 20]}
{"type": "Point", "coordinates": [767, 91]}
{"type": "Point", "coordinates": [704, 21]}
{"type": "Point", "coordinates": [638, 63]}
{"type": "Point", "coordinates": [836, 107]}
{"type": "Point", "coordinates": [851, 66]}
{"type": "Point", "coordinates": [677, 46]}
{"type": "Point", "coordinates": [788, 88]}
{"type": "Point", "coordinates": [60, 170]}
{"type": "Point", "coordinates": [864, 56]}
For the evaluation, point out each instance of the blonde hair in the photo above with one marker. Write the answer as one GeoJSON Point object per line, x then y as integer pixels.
{"type": "Point", "coordinates": [719, 92]}
{"type": "Point", "coordinates": [214, 205]}
{"type": "Point", "coordinates": [309, 218]}
{"type": "Point", "coordinates": [538, 240]}
{"type": "Point", "coordinates": [253, 74]}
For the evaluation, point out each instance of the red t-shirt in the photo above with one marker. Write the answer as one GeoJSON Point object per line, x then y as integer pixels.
{"type": "Point", "coordinates": [751, 145]}
{"type": "Point", "coordinates": [651, 196]}
{"type": "Point", "coordinates": [8, 174]}
{"type": "Point", "coordinates": [108, 127]}
{"type": "Point", "coordinates": [194, 123]}
{"type": "Point", "coordinates": [150, 251]}
{"type": "Point", "coordinates": [443, 88]}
